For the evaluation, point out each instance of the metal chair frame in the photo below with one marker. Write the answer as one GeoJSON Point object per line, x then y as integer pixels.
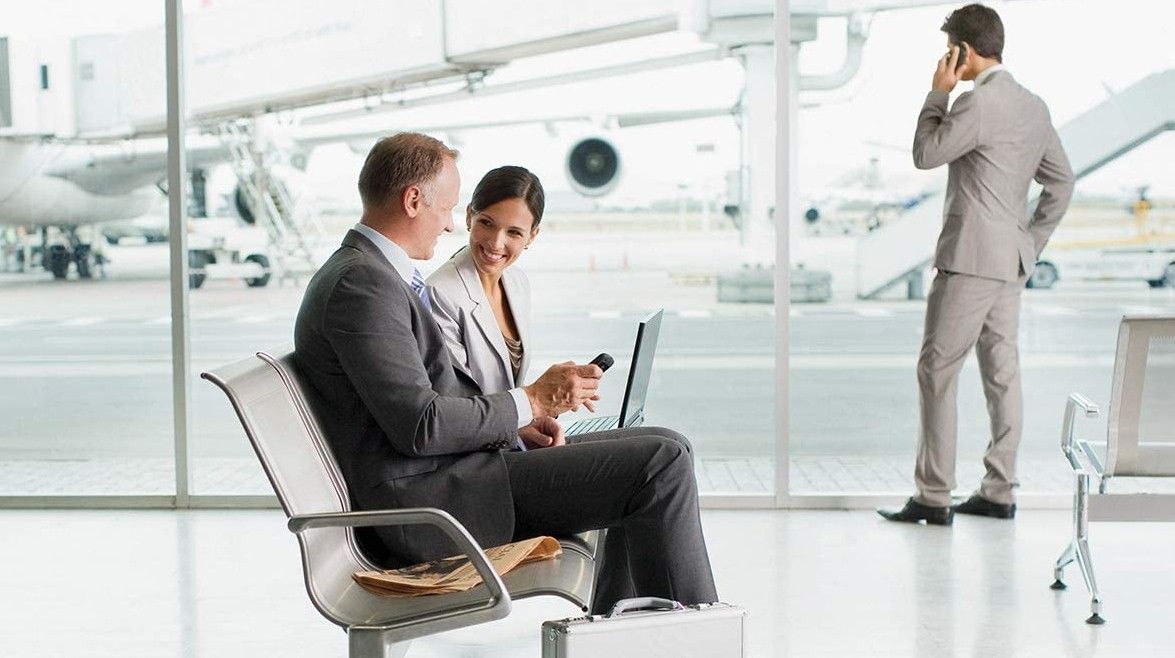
{"type": "Point", "coordinates": [1125, 456]}
{"type": "Point", "coordinates": [267, 396]}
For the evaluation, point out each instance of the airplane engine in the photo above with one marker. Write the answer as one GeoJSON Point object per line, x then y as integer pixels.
{"type": "Point", "coordinates": [593, 166]}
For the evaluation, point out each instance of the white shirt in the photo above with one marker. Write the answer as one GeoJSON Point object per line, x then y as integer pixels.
{"type": "Point", "coordinates": [987, 73]}
{"type": "Point", "coordinates": [400, 261]}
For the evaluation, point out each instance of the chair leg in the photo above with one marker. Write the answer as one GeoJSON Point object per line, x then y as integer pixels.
{"type": "Point", "coordinates": [1067, 557]}
{"type": "Point", "coordinates": [1084, 557]}
{"type": "Point", "coordinates": [1085, 560]}
{"type": "Point", "coordinates": [372, 643]}
{"type": "Point", "coordinates": [1070, 552]}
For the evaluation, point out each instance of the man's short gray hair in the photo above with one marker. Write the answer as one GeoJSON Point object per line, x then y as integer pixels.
{"type": "Point", "coordinates": [398, 162]}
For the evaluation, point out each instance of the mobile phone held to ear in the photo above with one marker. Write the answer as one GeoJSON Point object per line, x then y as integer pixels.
{"type": "Point", "coordinates": [962, 56]}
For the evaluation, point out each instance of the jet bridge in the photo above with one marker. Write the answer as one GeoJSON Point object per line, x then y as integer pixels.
{"type": "Point", "coordinates": [898, 252]}
{"type": "Point", "coordinates": [252, 58]}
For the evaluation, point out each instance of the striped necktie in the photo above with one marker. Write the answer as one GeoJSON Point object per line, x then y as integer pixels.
{"type": "Point", "coordinates": [420, 290]}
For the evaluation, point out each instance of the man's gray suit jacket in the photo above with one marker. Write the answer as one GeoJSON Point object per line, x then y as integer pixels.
{"type": "Point", "coordinates": [996, 138]}
{"type": "Point", "coordinates": [406, 427]}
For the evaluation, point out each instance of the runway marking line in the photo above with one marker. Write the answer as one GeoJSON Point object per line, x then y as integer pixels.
{"type": "Point", "coordinates": [867, 312]}
{"type": "Point", "coordinates": [1147, 310]}
{"type": "Point", "coordinates": [1053, 310]}
{"type": "Point", "coordinates": [82, 322]}
{"type": "Point", "coordinates": [255, 319]}
{"type": "Point", "coordinates": [829, 312]}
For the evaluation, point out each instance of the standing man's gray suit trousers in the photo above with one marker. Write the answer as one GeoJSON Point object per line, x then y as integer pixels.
{"type": "Point", "coordinates": [638, 483]}
{"type": "Point", "coordinates": [966, 311]}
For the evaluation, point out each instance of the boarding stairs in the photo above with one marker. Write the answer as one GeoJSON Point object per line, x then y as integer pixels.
{"type": "Point", "coordinates": [291, 230]}
{"type": "Point", "coordinates": [900, 251]}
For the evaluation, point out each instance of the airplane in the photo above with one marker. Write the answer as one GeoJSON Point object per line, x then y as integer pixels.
{"type": "Point", "coordinates": [59, 187]}
{"type": "Point", "coordinates": [66, 187]}
{"type": "Point", "coordinates": [862, 198]}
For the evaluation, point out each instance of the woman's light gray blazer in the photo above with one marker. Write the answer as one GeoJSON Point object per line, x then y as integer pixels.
{"type": "Point", "coordinates": [471, 331]}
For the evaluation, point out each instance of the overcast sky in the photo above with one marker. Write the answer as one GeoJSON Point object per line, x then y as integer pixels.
{"type": "Point", "coordinates": [1072, 53]}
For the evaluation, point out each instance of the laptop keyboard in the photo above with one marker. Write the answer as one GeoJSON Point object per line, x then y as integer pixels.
{"type": "Point", "coordinates": [593, 425]}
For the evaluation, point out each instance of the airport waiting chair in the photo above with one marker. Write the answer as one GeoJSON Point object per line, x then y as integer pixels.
{"type": "Point", "coordinates": [1140, 442]}
{"type": "Point", "coordinates": [267, 396]}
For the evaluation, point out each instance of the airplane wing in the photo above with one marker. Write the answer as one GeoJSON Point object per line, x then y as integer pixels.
{"type": "Point", "coordinates": [11, 135]}
{"type": "Point", "coordinates": [114, 165]}
{"type": "Point", "coordinates": [363, 138]}
{"type": "Point", "coordinates": [119, 167]}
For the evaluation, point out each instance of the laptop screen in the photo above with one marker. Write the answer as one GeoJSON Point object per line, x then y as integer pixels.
{"type": "Point", "coordinates": [641, 369]}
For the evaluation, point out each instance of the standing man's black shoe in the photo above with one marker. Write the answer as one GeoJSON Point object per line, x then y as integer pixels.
{"type": "Point", "coordinates": [915, 511]}
{"type": "Point", "coordinates": [980, 506]}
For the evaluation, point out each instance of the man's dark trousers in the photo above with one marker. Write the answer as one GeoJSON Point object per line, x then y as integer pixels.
{"type": "Point", "coordinates": [638, 483]}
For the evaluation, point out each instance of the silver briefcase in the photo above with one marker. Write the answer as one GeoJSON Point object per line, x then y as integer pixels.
{"type": "Point", "coordinates": [649, 628]}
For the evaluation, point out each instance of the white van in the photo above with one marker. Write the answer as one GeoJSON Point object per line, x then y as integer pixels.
{"type": "Point", "coordinates": [1152, 263]}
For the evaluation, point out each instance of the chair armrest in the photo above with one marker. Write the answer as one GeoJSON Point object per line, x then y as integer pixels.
{"type": "Point", "coordinates": [1094, 460]}
{"type": "Point", "coordinates": [499, 601]}
{"type": "Point", "coordinates": [1075, 401]}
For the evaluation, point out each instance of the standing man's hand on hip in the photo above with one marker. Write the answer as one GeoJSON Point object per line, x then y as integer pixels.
{"type": "Point", "coordinates": [946, 75]}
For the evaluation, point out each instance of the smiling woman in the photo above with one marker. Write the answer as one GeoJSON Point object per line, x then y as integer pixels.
{"type": "Point", "coordinates": [480, 301]}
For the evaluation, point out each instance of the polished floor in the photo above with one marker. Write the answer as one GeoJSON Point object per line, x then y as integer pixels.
{"type": "Point", "coordinates": [228, 583]}
{"type": "Point", "coordinates": [808, 475]}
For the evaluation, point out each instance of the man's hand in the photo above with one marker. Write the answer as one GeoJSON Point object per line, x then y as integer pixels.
{"type": "Point", "coordinates": [563, 387]}
{"type": "Point", "coordinates": [946, 76]}
{"type": "Point", "coordinates": [543, 432]}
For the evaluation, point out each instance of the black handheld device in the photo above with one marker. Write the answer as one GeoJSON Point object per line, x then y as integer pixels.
{"type": "Point", "coordinates": [962, 56]}
{"type": "Point", "coordinates": [604, 360]}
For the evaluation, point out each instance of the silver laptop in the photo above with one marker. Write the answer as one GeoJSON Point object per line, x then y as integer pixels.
{"type": "Point", "coordinates": [632, 408]}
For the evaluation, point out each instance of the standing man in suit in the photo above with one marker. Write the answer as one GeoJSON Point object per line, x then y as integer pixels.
{"type": "Point", "coordinates": [996, 139]}
{"type": "Point", "coordinates": [409, 429]}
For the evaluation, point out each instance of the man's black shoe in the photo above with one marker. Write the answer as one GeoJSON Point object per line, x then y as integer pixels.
{"type": "Point", "coordinates": [915, 511]}
{"type": "Point", "coordinates": [980, 506]}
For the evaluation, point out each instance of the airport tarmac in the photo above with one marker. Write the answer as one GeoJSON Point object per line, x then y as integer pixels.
{"type": "Point", "coordinates": [86, 370]}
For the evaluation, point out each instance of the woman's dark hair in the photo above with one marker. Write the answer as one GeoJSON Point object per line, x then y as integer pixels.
{"type": "Point", "coordinates": [979, 26]}
{"type": "Point", "coordinates": [510, 182]}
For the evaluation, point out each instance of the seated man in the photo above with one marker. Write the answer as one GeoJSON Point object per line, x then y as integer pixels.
{"type": "Point", "coordinates": [409, 429]}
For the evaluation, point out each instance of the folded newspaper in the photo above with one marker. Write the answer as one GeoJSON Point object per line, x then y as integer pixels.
{"type": "Point", "coordinates": [455, 574]}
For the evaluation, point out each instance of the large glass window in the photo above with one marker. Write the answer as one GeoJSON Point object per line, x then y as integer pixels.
{"type": "Point", "coordinates": [652, 131]}
{"type": "Point", "coordinates": [85, 350]}
{"type": "Point", "coordinates": [655, 198]}
{"type": "Point", "coordinates": [869, 220]}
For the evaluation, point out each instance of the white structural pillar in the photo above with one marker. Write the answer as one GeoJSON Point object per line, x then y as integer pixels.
{"type": "Point", "coordinates": [757, 175]}
{"type": "Point", "coordinates": [178, 244]}
{"type": "Point", "coordinates": [795, 224]}
{"type": "Point", "coordinates": [784, 188]}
